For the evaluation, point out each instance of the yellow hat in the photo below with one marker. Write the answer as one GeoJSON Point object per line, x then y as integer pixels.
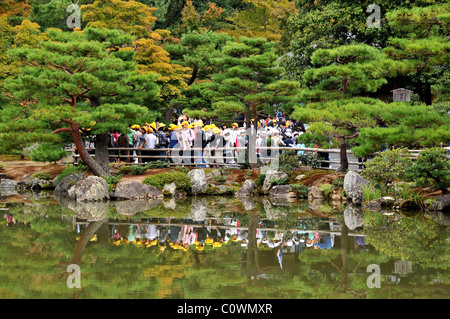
{"type": "Point", "coordinates": [207, 127]}
{"type": "Point", "coordinates": [161, 125]}
{"type": "Point", "coordinates": [213, 125]}
{"type": "Point", "coordinates": [172, 127]}
{"type": "Point", "coordinates": [149, 130]}
{"type": "Point", "coordinates": [153, 125]}
{"type": "Point", "coordinates": [191, 125]}
{"type": "Point", "coordinates": [184, 123]}
{"type": "Point", "coordinates": [198, 124]}
{"type": "Point", "coordinates": [235, 124]}
{"type": "Point", "coordinates": [216, 130]}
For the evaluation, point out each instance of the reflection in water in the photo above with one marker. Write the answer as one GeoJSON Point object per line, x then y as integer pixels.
{"type": "Point", "coordinates": [229, 248]}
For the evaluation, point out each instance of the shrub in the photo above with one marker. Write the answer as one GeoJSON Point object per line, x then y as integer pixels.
{"type": "Point", "coordinates": [388, 167]}
{"type": "Point", "coordinates": [181, 180]}
{"type": "Point", "coordinates": [310, 159]}
{"type": "Point", "coordinates": [71, 169]}
{"type": "Point", "coordinates": [430, 167]}
{"type": "Point", "coordinates": [157, 164]}
{"type": "Point", "coordinates": [112, 181]}
{"type": "Point", "coordinates": [42, 175]}
{"type": "Point", "coordinates": [338, 182]}
{"type": "Point", "coordinates": [125, 170]}
{"type": "Point", "coordinates": [260, 180]}
{"type": "Point", "coordinates": [300, 189]}
{"type": "Point", "coordinates": [47, 152]}
{"type": "Point", "coordinates": [289, 162]}
{"type": "Point", "coordinates": [326, 189]}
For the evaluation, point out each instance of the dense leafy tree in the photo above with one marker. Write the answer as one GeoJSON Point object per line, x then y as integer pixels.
{"type": "Point", "coordinates": [78, 66]}
{"type": "Point", "coordinates": [267, 19]}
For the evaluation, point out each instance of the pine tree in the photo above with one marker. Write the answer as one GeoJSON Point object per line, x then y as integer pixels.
{"type": "Point", "coordinates": [75, 67]}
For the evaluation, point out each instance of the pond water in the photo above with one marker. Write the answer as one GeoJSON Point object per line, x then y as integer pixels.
{"type": "Point", "coordinates": [219, 247]}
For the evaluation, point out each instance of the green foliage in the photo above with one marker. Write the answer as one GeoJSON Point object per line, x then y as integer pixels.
{"type": "Point", "coordinates": [300, 189]}
{"type": "Point", "coordinates": [157, 164]}
{"type": "Point", "coordinates": [41, 175]}
{"type": "Point", "coordinates": [132, 170]}
{"type": "Point", "coordinates": [372, 192]}
{"type": "Point", "coordinates": [431, 167]}
{"type": "Point", "coordinates": [47, 152]}
{"type": "Point", "coordinates": [112, 181]}
{"type": "Point", "coordinates": [310, 159]}
{"type": "Point", "coordinates": [289, 162]}
{"type": "Point", "coordinates": [326, 189]}
{"type": "Point", "coordinates": [338, 182]}
{"type": "Point", "coordinates": [72, 169]}
{"type": "Point", "coordinates": [181, 180]}
{"type": "Point", "coordinates": [388, 167]}
{"type": "Point", "coordinates": [260, 180]}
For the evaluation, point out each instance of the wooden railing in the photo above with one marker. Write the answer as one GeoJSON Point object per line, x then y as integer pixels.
{"type": "Point", "coordinates": [176, 156]}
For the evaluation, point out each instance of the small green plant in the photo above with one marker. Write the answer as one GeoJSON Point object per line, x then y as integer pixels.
{"type": "Point", "coordinates": [338, 182]}
{"type": "Point", "coordinates": [112, 181]}
{"type": "Point", "coordinates": [2, 167]}
{"type": "Point", "coordinates": [71, 169]}
{"type": "Point", "coordinates": [181, 180]}
{"type": "Point", "coordinates": [260, 180]}
{"type": "Point", "coordinates": [300, 189]}
{"type": "Point", "coordinates": [125, 170]}
{"type": "Point", "coordinates": [157, 164]}
{"type": "Point", "coordinates": [310, 159]}
{"type": "Point", "coordinates": [42, 175]}
{"type": "Point", "coordinates": [326, 189]}
{"type": "Point", "coordinates": [372, 192]}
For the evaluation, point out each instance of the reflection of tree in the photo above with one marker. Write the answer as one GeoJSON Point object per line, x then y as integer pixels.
{"type": "Point", "coordinates": [417, 239]}
{"type": "Point", "coordinates": [87, 234]}
{"type": "Point", "coordinates": [252, 249]}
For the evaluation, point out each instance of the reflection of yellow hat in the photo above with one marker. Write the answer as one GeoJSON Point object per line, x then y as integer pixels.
{"type": "Point", "coordinates": [209, 241]}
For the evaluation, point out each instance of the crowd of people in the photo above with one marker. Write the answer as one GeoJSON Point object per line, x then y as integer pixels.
{"type": "Point", "coordinates": [195, 140]}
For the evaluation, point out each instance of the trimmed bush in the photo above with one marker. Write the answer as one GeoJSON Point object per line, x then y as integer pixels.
{"type": "Point", "coordinates": [181, 180]}
{"type": "Point", "coordinates": [42, 175]}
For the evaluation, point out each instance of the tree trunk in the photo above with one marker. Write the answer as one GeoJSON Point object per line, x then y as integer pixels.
{"type": "Point", "coordinates": [343, 155]}
{"type": "Point", "coordinates": [87, 159]}
{"type": "Point", "coordinates": [101, 151]}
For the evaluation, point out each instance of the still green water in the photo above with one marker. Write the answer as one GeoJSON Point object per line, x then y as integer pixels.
{"type": "Point", "coordinates": [219, 247]}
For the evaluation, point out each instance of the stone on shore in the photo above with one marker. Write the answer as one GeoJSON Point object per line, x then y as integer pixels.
{"type": "Point", "coordinates": [247, 189]}
{"type": "Point", "coordinates": [273, 177]}
{"type": "Point", "coordinates": [199, 184]}
{"type": "Point", "coordinates": [353, 187]}
{"type": "Point", "coordinates": [136, 190]}
{"type": "Point", "coordinates": [91, 189]}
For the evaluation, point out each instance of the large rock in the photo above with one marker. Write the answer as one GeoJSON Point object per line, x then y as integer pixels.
{"type": "Point", "coordinates": [63, 186]}
{"type": "Point", "coordinates": [282, 191]}
{"type": "Point", "coordinates": [136, 190]}
{"type": "Point", "coordinates": [8, 184]}
{"type": "Point", "coordinates": [91, 189]}
{"type": "Point", "coordinates": [442, 203]}
{"type": "Point", "coordinates": [353, 187]}
{"type": "Point", "coordinates": [271, 178]}
{"type": "Point", "coordinates": [247, 189]}
{"type": "Point", "coordinates": [315, 192]}
{"type": "Point", "coordinates": [199, 184]}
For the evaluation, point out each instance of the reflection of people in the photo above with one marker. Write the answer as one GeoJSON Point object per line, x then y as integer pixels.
{"type": "Point", "coordinates": [280, 257]}
{"type": "Point", "coordinates": [328, 244]}
{"type": "Point", "coordinates": [9, 219]}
